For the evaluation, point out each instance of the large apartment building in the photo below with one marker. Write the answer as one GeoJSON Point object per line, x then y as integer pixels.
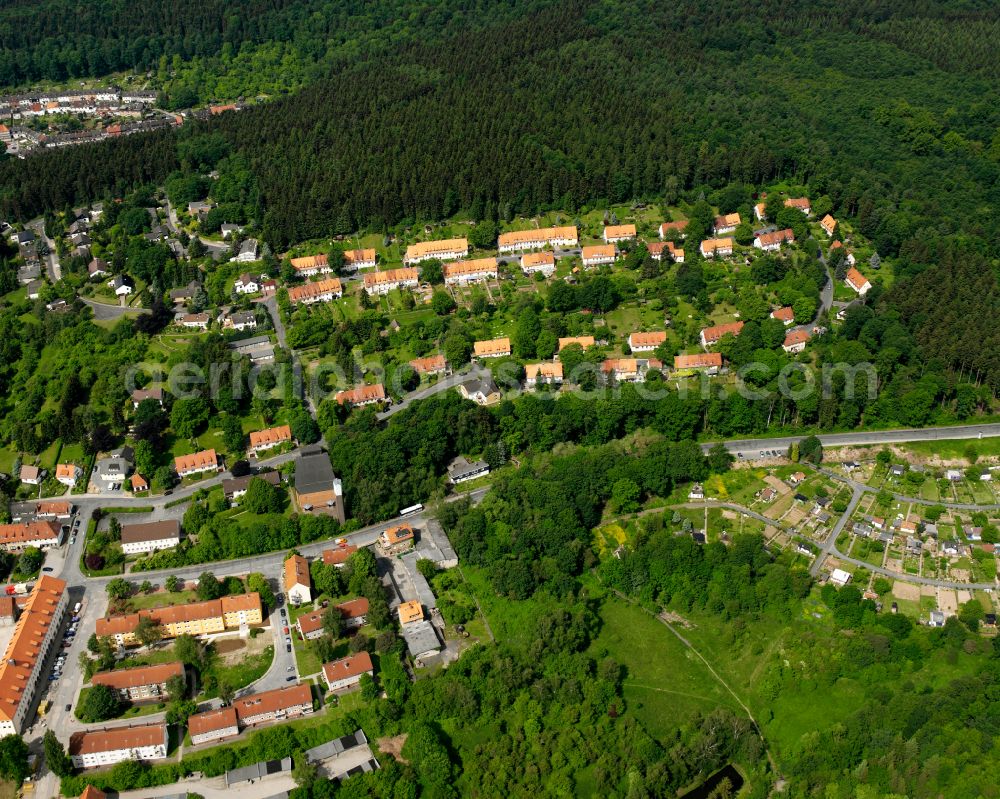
{"type": "Point", "coordinates": [461, 273]}
{"type": "Point", "coordinates": [150, 536]}
{"type": "Point", "coordinates": [281, 703]}
{"type": "Point", "coordinates": [325, 290]}
{"type": "Point", "coordinates": [43, 535]}
{"type": "Point", "coordinates": [263, 440]}
{"type": "Point", "coordinates": [141, 683]}
{"type": "Point", "coordinates": [443, 250]}
{"type": "Point", "coordinates": [386, 281]}
{"type": "Point", "coordinates": [196, 463]}
{"type": "Point", "coordinates": [317, 488]}
{"type": "Point", "coordinates": [346, 672]}
{"type": "Point", "coordinates": [195, 618]}
{"type": "Point", "coordinates": [36, 633]}
{"type": "Point", "coordinates": [110, 746]}
{"type": "Point", "coordinates": [520, 240]}
{"type": "Point", "coordinates": [276, 705]}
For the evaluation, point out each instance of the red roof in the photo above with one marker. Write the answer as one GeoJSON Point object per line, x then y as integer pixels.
{"type": "Point", "coordinates": [348, 667]}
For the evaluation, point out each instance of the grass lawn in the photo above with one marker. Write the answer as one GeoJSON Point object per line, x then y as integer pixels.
{"type": "Point", "coordinates": [7, 458]}
{"type": "Point", "coordinates": [737, 485]}
{"type": "Point", "coordinates": [955, 448]}
{"type": "Point", "coordinates": [47, 460]}
{"type": "Point", "coordinates": [982, 493]}
{"type": "Point", "coordinates": [131, 712]}
{"type": "Point", "coordinates": [665, 683]}
{"type": "Point", "coordinates": [251, 669]}
{"type": "Point", "coordinates": [162, 599]}
{"type": "Point", "coordinates": [929, 491]}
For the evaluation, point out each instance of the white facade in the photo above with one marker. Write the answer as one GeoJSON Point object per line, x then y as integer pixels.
{"type": "Point", "coordinates": [139, 547]}
{"type": "Point", "coordinates": [112, 756]}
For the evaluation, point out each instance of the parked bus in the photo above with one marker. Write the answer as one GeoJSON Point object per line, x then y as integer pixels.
{"type": "Point", "coordinates": [411, 510]}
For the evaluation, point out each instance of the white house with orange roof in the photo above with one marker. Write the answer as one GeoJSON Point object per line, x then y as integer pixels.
{"type": "Point", "coordinates": [390, 279]}
{"type": "Point", "coordinates": [646, 342]}
{"type": "Point", "coordinates": [716, 248]}
{"type": "Point", "coordinates": [68, 473]}
{"type": "Point", "coordinates": [493, 348]}
{"type": "Point", "coordinates": [461, 273]}
{"type": "Point", "coordinates": [598, 254]}
{"type": "Point", "coordinates": [535, 262]}
{"type": "Point", "coordinates": [615, 233]}
{"type": "Point", "coordinates": [799, 204]}
{"type": "Point", "coordinates": [585, 342]}
{"type": "Point", "coordinates": [520, 240]}
{"type": "Point", "coordinates": [196, 463]}
{"type": "Point", "coordinates": [855, 280]}
{"type": "Point", "coordinates": [829, 225]}
{"type": "Point", "coordinates": [680, 226]}
{"type": "Point", "coordinates": [725, 223]}
{"type": "Point", "coordinates": [795, 340]}
{"type": "Point", "coordinates": [443, 250]}
{"type": "Point", "coordinates": [547, 372]}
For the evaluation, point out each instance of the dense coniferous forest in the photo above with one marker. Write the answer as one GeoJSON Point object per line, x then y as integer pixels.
{"type": "Point", "coordinates": [564, 105]}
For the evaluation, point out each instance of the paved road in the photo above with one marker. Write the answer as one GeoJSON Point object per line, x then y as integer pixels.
{"type": "Point", "coordinates": [750, 447]}
{"type": "Point", "coordinates": [912, 578]}
{"type": "Point", "coordinates": [714, 503]}
{"type": "Point", "coordinates": [443, 384]}
{"type": "Point", "coordinates": [105, 310]}
{"type": "Point", "coordinates": [904, 498]}
{"type": "Point", "coordinates": [830, 545]}
{"type": "Point", "coordinates": [52, 266]}
{"type": "Point", "coordinates": [271, 303]}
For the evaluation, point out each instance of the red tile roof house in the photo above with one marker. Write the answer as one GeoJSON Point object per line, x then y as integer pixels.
{"type": "Point", "coordinates": [713, 248]}
{"type": "Point", "coordinates": [107, 747]}
{"type": "Point", "coordinates": [680, 227]}
{"type": "Point", "coordinates": [16, 537]}
{"type": "Point", "coordinates": [785, 315]}
{"type": "Point", "coordinates": [338, 557]}
{"type": "Point", "coordinates": [857, 281]}
{"type": "Point", "coordinates": [597, 254]}
{"type": "Point", "coordinates": [298, 584]}
{"type": "Point", "coordinates": [362, 395]}
{"type": "Point", "coordinates": [142, 682]}
{"type": "Point", "coordinates": [616, 233]}
{"type": "Point", "coordinates": [213, 725]}
{"type": "Point", "coordinates": [346, 672]}
{"type": "Point", "coordinates": [796, 340]}
{"type": "Point", "coordinates": [726, 223]}
{"type": "Point", "coordinates": [657, 248]}
{"type": "Point", "coordinates": [322, 291]}
{"type": "Point", "coordinates": [354, 611]}
{"type": "Point", "coordinates": [430, 365]}
{"type": "Point", "coordinates": [68, 473]}
{"type": "Point", "coordinates": [711, 336]}
{"type": "Point", "coordinates": [711, 362]}
{"type": "Point", "coordinates": [771, 242]}
{"type": "Point", "coordinates": [204, 461]}
{"type": "Point", "coordinates": [276, 705]}
{"type": "Point", "coordinates": [263, 440]}
{"type": "Point", "coordinates": [646, 342]}
{"type": "Point", "coordinates": [800, 203]}
{"type": "Point", "coordinates": [310, 625]}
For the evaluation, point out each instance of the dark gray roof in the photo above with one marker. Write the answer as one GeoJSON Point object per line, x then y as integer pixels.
{"type": "Point", "coordinates": [313, 472]}
{"type": "Point", "coordinates": [336, 746]}
{"type": "Point", "coordinates": [421, 638]}
{"type": "Point", "coordinates": [230, 487]}
{"type": "Point", "coordinates": [460, 467]}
